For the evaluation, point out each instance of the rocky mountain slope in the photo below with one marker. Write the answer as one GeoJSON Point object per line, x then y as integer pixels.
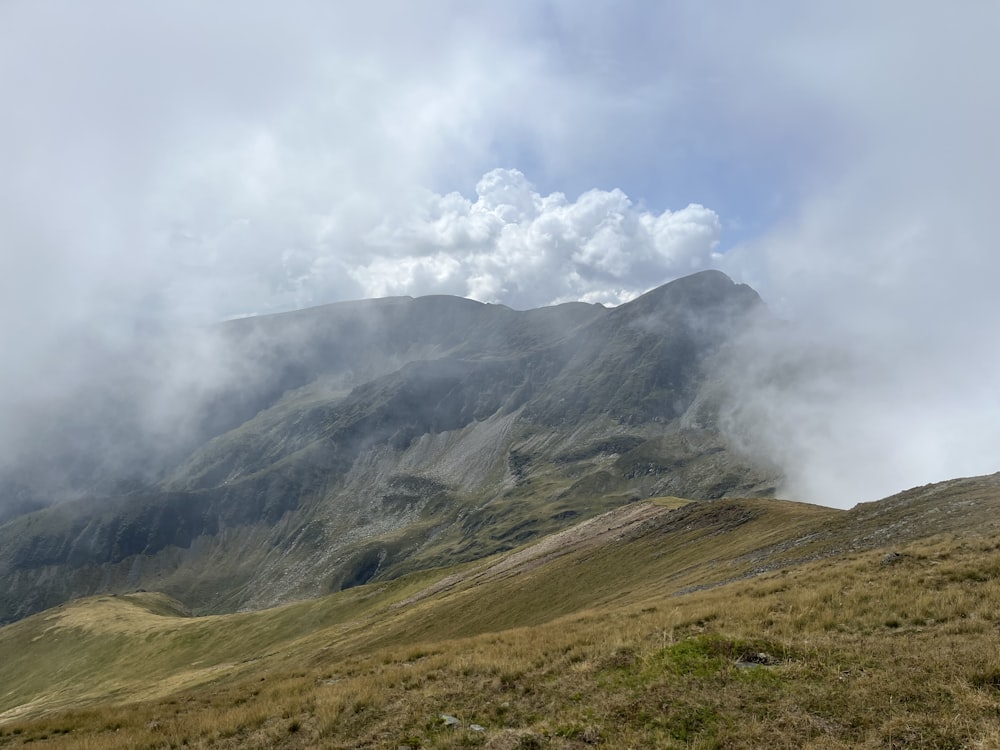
{"type": "Point", "coordinates": [358, 441]}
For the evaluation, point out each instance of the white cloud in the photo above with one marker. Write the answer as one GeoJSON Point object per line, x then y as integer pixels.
{"type": "Point", "coordinates": [514, 245]}
{"type": "Point", "coordinates": [888, 256]}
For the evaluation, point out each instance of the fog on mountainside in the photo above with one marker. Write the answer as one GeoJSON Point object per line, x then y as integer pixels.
{"type": "Point", "coordinates": [115, 416]}
{"type": "Point", "coordinates": [165, 163]}
{"type": "Point", "coordinates": [107, 420]}
{"type": "Point", "coordinates": [114, 419]}
{"type": "Point", "coordinates": [320, 449]}
{"type": "Point", "coordinates": [853, 417]}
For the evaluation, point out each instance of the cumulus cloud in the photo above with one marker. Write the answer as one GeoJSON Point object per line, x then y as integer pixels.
{"type": "Point", "coordinates": [516, 246]}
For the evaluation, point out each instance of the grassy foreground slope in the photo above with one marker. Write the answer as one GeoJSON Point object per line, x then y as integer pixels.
{"type": "Point", "coordinates": [735, 623]}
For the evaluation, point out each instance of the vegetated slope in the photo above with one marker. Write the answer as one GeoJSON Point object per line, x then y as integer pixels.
{"type": "Point", "coordinates": [365, 440]}
{"type": "Point", "coordinates": [735, 623]}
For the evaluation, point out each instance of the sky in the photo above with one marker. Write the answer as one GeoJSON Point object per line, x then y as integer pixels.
{"type": "Point", "coordinates": [187, 162]}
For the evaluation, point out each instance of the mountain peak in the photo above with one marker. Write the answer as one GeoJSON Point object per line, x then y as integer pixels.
{"type": "Point", "coordinates": [709, 292]}
{"type": "Point", "coordinates": [700, 287]}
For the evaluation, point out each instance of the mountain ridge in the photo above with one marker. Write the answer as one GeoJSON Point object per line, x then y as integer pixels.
{"type": "Point", "coordinates": [408, 432]}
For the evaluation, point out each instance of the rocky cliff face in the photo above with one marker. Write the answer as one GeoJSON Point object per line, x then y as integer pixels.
{"type": "Point", "coordinates": [357, 441]}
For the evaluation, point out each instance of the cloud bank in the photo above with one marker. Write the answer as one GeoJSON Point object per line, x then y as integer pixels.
{"type": "Point", "coordinates": [886, 264]}
{"type": "Point", "coordinates": [176, 164]}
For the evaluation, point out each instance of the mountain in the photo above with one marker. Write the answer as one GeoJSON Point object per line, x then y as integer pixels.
{"type": "Point", "coordinates": [359, 441]}
{"type": "Point", "coordinates": [666, 622]}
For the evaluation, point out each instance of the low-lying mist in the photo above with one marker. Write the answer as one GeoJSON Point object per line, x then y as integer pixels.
{"type": "Point", "coordinates": [103, 417]}
{"type": "Point", "coordinates": [854, 416]}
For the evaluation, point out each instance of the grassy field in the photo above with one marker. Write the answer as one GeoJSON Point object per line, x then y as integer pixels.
{"type": "Point", "coordinates": [738, 623]}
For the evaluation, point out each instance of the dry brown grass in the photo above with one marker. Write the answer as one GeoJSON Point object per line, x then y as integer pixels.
{"type": "Point", "coordinates": [858, 653]}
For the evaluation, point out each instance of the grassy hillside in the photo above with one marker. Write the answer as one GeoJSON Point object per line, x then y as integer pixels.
{"type": "Point", "coordinates": [735, 623]}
